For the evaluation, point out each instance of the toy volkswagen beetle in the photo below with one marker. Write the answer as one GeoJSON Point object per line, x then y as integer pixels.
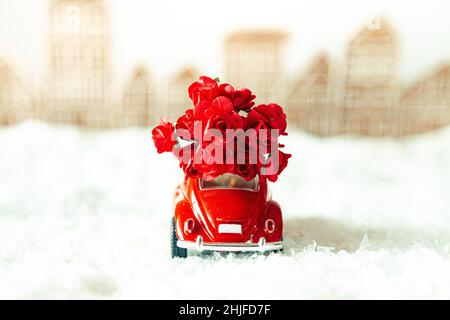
{"type": "Point", "coordinates": [228, 214]}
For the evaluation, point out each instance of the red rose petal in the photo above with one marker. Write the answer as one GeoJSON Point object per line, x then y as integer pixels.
{"type": "Point", "coordinates": [223, 105]}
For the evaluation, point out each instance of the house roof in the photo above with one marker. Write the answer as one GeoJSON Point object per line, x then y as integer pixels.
{"type": "Point", "coordinates": [5, 70]}
{"type": "Point", "coordinates": [139, 73]}
{"type": "Point", "coordinates": [10, 74]}
{"type": "Point", "coordinates": [381, 31]}
{"type": "Point", "coordinates": [316, 73]}
{"type": "Point", "coordinates": [442, 71]}
{"type": "Point", "coordinates": [269, 35]}
{"type": "Point", "coordinates": [77, 1]}
{"type": "Point", "coordinates": [140, 70]}
{"type": "Point", "coordinates": [185, 74]}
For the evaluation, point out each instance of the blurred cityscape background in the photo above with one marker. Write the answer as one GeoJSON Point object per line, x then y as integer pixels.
{"type": "Point", "coordinates": [362, 94]}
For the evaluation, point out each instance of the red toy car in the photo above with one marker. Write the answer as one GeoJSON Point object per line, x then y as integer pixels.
{"type": "Point", "coordinates": [228, 214]}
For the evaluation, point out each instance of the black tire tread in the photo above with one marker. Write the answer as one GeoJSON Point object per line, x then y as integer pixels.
{"type": "Point", "coordinates": [176, 252]}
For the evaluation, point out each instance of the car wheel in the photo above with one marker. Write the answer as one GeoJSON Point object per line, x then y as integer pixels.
{"type": "Point", "coordinates": [176, 251]}
{"type": "Point", "coordinates": [282, 249]}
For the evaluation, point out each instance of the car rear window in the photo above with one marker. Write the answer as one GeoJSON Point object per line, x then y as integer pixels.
{"type": "Point", "coordinates": [230, 181]}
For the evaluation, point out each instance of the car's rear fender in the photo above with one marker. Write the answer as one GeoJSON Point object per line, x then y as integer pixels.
{"type": "Point", "coordinates": [273, 215]}
{"type": "Point", "coordinates": [183, 213]}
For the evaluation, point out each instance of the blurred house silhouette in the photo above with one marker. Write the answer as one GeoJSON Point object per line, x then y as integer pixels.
{"type": "Point", "coordinates": [311, 103]}
{"type": "Point", "coordinates": [16, 100]}
{"type": "Point", "coordinates": [79, 63]}
{"type": "Point", "coordinates": [365, 98]}
{"type": "Point", "coordinates": [426, 104]}
{"type": "Point", "coordinates": [254, 60]}
{"type": "Point", "coordinates": [371, 83]}
{"type": "Point", "coordinates": [177, 93]}
{"type": "Point", "coordinates": [137, 108]}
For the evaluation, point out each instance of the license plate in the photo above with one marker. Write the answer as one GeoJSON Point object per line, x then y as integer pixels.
{"type": "Point", "coordinates": [230, 228]}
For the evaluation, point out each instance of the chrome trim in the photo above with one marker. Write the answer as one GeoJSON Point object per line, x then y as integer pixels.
{"type": "Point", "coordinates": [262, 242]}
{"type": "Point", "coordinates": [261, 246]}
{"type": "Point", "coordinates": [198, 243]}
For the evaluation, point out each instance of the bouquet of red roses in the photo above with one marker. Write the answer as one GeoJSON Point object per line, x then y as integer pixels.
{"type": "Point", "coordinates": [225, 133]}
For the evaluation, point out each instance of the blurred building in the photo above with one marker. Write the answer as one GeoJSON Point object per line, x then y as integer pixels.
{"type": "Point", "coordinates": [371, 83]}
{"type": "Point", "coordinates": [177, 93]}
{"type": "Point", "coordinates": [79, 63]}
{"type": "Point", "coordinates": [16, 100]}
{"type": "Point", "coordinates": [311, 104]}
{"type": "Point", "coordinates": [426, 104]}
{"type": "Point", "coordinates": [254, 60]}
{"type": "Point", "coordinates": [364, 99]}
{"type": "Point", "coordinates": [137, 108]}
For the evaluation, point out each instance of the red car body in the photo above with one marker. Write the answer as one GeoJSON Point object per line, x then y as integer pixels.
{"type": "Point", "coordinates": [227, 218]}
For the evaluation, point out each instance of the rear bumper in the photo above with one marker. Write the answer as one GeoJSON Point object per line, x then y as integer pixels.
{"type": "Point", "coordinates": [261, 246]}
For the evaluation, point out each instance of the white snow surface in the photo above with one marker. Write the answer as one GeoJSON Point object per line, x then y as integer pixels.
{"type": "Point", "coordinates": [85, 214]}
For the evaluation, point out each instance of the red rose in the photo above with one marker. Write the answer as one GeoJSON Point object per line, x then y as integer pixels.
{"type": "Point", "coordinates": [200, 108]}
{"type": "Point", "coordinates": [191, 171]}
{"type": "Point", "coordinates": [230, 121]}
{"type": "Point", "coordinates": [271, 115]}
{"type": "Point", "coordinates": [186, 121]}
{"type": "Point", "coordinates": [235, 120]}
{"type": "Point", "coordinates": [241, 98]}
{"type": "Point", "coordinates": [282, 164]}
{"type": "Point", "coordinates": [226, 90]}
{"type": "Point", "coordinates": [220, 106]}
{"type": "Point", "coordinates": [185, 154]}
{"type": "Point", "coordinates": [263, 137]}
{"type": "Point", "coordinates": [206, 89]}
{"type": "Point", "coordinates": [163, 137]}
{"type": "Point", "coordinates": [284, 158]}
{"type": "Point", "coordinates": [222, 116]}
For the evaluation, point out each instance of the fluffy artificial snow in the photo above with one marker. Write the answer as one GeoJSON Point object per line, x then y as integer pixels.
{"type": "Point", "coordinates": [85, 214]}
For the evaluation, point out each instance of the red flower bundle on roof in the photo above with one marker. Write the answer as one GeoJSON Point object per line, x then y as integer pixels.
{"type": "Point", "coordinates": [225, 132]}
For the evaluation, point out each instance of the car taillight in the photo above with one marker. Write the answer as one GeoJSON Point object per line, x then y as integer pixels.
{"type": "Point", "coordinates": [189, 225]}
{"type": "Point", "coordinates": [270, 226]}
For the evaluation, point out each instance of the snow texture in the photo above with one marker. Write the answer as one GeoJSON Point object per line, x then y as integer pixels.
{"type": "Point", "coordinates": [85, 214]}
